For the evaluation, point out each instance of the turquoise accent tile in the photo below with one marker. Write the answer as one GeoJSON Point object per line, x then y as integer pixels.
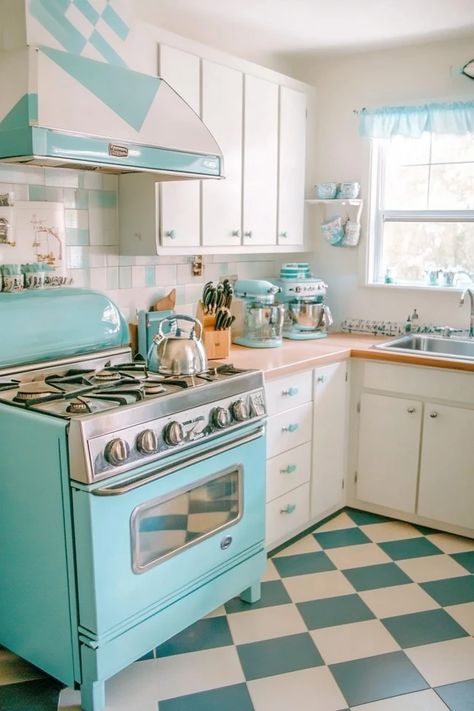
{"type": "Point", "coordinates": [125, 277]}
{"type": "Point", "coordinates": [370, 577]}
{"type": "Point", "coordinates": [51, 15]}
{"type": "Point", "coordinates": [410, 548]}
{"type": "Point", "coordinates": [115, 22]}
{"type": "Point", "coordinates": [343, 537]}
{"type": "Point", "coordinates": [37, 192]}
{"type": "Point", "coordinates": [76, 236]}
{"type": "Point", "coordinates": [452, 591]}
{"type": "Point", "coordinates": [459, 696]}
{"type": "Point", "coordinates": [37, 695]}
{"type": "Point", "coordinates": [379, 677]}
{"type": "Point", "coordinates": [53, 194]}
{"type": "Point", "coordinates": [87, 10]}
{"type": "Point", "coordinates": [150, 275]}
{"type": "Point", "coordinates": [423, 628]}
{"type": "Point", "coordinates": [278, 656]}
{"type": "Point", "coordinates": [104, 48]}
{"type": "Point", "coordinates": [303, 564]}
{"type": "Point", "coordinates": [363, 518]}
{"type": "Point", "coordinates": [76, 199]}
{"type": "Point", "coordinates": [204, 634]}
{"type": "Point", "coordinates": [465, 559]}
{"type": "Point", "coordinates": [112, 278]}
{"type": "Point", "coordinates": [333, 611]}
{"type": "Point", "coordinates": [273, 593]}
{"type": "Point", "coordinates": [228, 698]}
{"type": "Point", "coordinates": [102, 198]}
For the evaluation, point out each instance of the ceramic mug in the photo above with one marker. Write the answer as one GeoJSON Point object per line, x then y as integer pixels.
{"type": "Point", "coordinates": [12, 282]}
{"type": "Point", "coordinates": [34, 280]}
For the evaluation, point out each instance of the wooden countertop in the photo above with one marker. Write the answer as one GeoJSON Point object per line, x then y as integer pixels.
{"type": "Point", "coordinates": [294, 356]}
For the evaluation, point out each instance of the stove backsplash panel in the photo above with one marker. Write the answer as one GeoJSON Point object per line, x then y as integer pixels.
{"type": "Point", "coordinates": [92, 253]}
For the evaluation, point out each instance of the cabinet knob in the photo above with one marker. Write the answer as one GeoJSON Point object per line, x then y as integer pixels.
{"type": "Point", "coordinates": [235, 233]}
{"type": "Point", "coordinates": [322, 378]}
{"type": "Point", "coordinates": [171, 234]}
{"type": "Point", "coordinates": [289, 469]}
{"type": "Point", "coordinates": [284, 234]}
{"type": "Point", "coordinates": [289, 508]}
{"type": "Point", "coordinates": [290, 428]}
{"type": "Point", "coordinates": [291, 392]}
{"type": "Point", "coordinates": [411, 410]}
{"type": "Point", "coordinates": [433, 414]}
{"type": "Point", "coordinates": [248, 234]}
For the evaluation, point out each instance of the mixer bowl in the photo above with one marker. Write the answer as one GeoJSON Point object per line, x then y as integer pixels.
{"type": "Point", "coordinates": [264, 322]}
{"type": "Point", "coordinates": [309, 316]}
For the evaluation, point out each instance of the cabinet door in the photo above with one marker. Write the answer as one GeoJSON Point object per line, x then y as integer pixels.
{"type": "Point", "coordinates": [260, 161]}
{"type": "Point", "coordinates": [291, 178]}
{"type": "Point", "coordinates": [389, 445]}
{"type": "Point", "coordinates": [447, 465]}
{"type": "Point", "coordinates": [329, 437]}
{"type": "Point", "coordinates": [180, 200]}
{"type": "Point", "coordinates": [222, 95]}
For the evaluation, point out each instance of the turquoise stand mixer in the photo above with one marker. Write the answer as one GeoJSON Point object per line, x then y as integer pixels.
{"type": "Point", "coordinates": [262, 318]}
{"type": "Point", "coordinates": [306, 315]}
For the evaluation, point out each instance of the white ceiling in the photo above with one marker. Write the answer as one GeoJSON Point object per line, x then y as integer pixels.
{"type": "Point", "coordinates": [293, 28]}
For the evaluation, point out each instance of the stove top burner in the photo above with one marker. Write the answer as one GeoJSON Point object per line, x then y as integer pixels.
{"type": "Point", "coordinates": [107, 375]}
{"type": "Point", "coordinates": [78, 407]}
{"type": "Point", "coordinates": [33, 392]}
{"type": "Point", "coordinates": [153, 387]}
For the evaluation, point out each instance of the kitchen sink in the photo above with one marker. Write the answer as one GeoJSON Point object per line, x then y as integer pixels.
{"type": "Point", "coordinates": [431, 345]}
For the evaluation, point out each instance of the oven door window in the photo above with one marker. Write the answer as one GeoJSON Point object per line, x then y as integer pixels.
{"type": "Point", "coordinates": [165, 526]}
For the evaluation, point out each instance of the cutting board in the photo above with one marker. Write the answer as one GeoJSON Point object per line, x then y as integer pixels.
{"type": "Point", "coordinates": [166, 303]}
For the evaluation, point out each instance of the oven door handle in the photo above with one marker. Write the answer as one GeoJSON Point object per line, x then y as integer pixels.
{"type": "Point", "coordinates": [135, 483]}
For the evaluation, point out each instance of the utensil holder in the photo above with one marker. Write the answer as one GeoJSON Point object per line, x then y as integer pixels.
{"type": "Point", "coordinates": [216, 343]}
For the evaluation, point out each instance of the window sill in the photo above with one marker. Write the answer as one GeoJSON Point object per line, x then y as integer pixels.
{"type": "Point", "coordinates": [418, 287]}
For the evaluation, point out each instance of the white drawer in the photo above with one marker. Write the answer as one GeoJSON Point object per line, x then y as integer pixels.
{"type": "Point", "coordinates": [287, 513]}
{"type": "Point", "coordinates": [288, 470]}
{"type": "Point", "coordinates": [287, 392]}
{"type": "Point", "coordinates": [289, 429]}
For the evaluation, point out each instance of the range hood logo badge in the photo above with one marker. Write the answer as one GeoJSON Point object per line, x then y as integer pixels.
{"type": "Point", "coordinates": [118, 151]}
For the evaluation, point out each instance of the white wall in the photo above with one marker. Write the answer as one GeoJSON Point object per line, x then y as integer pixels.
{"type": "Point", "coordinates": [404, 75]}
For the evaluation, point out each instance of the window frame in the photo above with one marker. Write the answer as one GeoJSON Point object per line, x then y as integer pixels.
{"type": "Point", "coordinates": [378, 216]}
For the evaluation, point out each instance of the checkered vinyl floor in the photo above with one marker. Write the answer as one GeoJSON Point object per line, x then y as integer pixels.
{"type": "Point", "coordinates": [364, 613]}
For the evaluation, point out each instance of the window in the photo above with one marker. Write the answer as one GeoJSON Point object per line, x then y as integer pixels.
{"type": "Point", "coordinates": [422, 210]}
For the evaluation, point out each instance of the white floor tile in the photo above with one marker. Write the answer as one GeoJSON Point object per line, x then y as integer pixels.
{"type": "Point", "coordinates": [444, 662]}
{"type": "Point", "coordinates": [340, 521]}
{"type": "Point", "coordinates": [266, 623]}
{"type": "Point", "coordinates": [354, 641]}
{"type": "Point", "coordinates": [451, 544]}
{"type": "Point", "coordinates": [464, 615]}
{"type": "Point", "coordinates": [69, 699]}
{"type": "Point", "coordinates": [315, 586]}
{"type": "Point", "coordinates": [13, 669]}
{"type": "Point", "coordinates": [305, 690]}
{"type": "Point", "coordinates": [419, 701]}
{"type": "Point", "coordinates": [431, 567]}
{"type": "Point", "coordinates": [308, 544]}
{"type": "Point", "coordinates": [271, 573]}
{"type": "Point", "coordinates": [357, 556]}
{"type": "Point", "coordinates": [398, 600]}
{"type": "Point", "coordinates": [218, 612]}
{"type": "Point", "coordinates": [390, 531]}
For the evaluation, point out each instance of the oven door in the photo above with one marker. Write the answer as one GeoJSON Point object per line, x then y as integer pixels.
{"type": "Point", "coordinates": [148, 541]}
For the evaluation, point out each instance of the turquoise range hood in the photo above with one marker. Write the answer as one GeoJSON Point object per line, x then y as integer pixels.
{"type": "Point", "coordinates": [50, 324]}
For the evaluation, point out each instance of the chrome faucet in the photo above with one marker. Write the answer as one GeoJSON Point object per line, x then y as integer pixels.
{"type": "Point", "coordinates": [471, 319]}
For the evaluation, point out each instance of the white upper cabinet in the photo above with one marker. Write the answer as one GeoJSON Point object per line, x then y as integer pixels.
{"type": "Point", "coordinates": [180, 200]}
{"type": "Point", "coordinates": [291, 175]}
{"type": "Point", "coordinates": [222, 96]}
{"type": "Point", "coordinates": [260, 161]}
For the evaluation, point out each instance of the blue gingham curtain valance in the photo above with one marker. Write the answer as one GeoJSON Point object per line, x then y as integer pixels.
{"type": "Point", "coordinates": [412, 121]}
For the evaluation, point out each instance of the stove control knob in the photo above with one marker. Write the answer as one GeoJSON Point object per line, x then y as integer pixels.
{"type": "Point", "coordinates": [173, 433]}
{"type": "Point", "coordinates": [146, 442]}
{"type": "Point", "coordinates": [220, 417]}
{"type": "Point", "coordinates": [116, 451]}
{"type": "Point", "coordinates": [239, 410]}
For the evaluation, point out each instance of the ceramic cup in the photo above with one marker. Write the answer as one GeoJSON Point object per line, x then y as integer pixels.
{"type": "Point", "coordinates": [12, 282]}
{"type": "Point", "coordinates": [34, 280]}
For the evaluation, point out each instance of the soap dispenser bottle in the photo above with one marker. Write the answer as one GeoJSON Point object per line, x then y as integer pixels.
{"type": "Point", "coordinates": [408, 325]}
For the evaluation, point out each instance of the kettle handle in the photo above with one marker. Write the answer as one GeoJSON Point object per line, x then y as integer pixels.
{"type": "Point", "coordinates": [180, 317]}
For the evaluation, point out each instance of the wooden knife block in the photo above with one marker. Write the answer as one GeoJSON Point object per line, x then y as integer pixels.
{"type": "Point", "coordinates": [216, 343]}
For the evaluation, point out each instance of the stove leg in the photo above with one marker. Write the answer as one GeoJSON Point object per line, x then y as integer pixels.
{"type": "Point", "coordinates": [93, 695]}
{"type": "Point", "coordinates": [252, 594]}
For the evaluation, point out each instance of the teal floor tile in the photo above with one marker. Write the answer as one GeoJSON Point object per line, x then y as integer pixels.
{"type": "Point", "coordinates": [273, 593]}
{"type": "Point", "coordinates": [37, 695]}
{"type": "Point", "coordinates": [458, 697]}
{"type": "Point", "coordinates": [278, 656]}
{"type": "Point", "coordinates": [363, 518]}
{"type": "Point", "coordinates": [205, 634]}
{"type": "Point", "coordinates": [228, 698]}
{"type": "Point", "coordinates": [410, 548]}
{"type": "Point", "coordinates": [332, 611]}
{"type": "Point", "coordinates": [465, 559]}
{"type": "Point", "coordinates": [380, 677]}
{"type": "Point", "coordinates": [423, 628]}
{"type": "Point", "coordinates": [370, 577]}
{"type": "Point", "coordinates": [148, 655]}
{"type": "Point", "coordinates": [342, 537]}
{"type": "Point", "coordinates": [303, 564]}
{"type": "Point", "coordinates": [452, 591]}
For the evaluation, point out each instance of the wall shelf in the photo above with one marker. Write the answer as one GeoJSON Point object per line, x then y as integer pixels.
{"type": "Point", "coordinates": [336, 201]}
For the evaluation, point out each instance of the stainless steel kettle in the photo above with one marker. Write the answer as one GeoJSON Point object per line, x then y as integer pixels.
{"type": "Point", "coordinates": [177, 352]}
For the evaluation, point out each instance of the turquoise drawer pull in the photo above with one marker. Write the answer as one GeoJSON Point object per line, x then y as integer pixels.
{"type": "Point", "coordinates": [290, 428]}
{"type": "Point", "coordinates": [289, 508]}
{"type": "Point", "coordinates": [291, 392]}
{"type": "Point", "coordinates": [289, 469]}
